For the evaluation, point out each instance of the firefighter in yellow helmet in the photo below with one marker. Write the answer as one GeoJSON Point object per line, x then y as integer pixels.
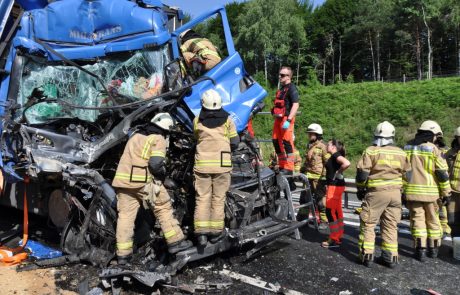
{"type": "Point", "coordinates": [138, 180]}
{"type": "Point", "coordinates": [379, 179]}
{"type": "Point", "coordinates": [314, 167]}
{"type": "Point", "coordinates": [429, 182]}
{"type": "Point", "coordinates": [453, 208]}
{"type": "Point", "coordinates": [199, 53]}
{"type": "Point", "coordinates": [216, 137]}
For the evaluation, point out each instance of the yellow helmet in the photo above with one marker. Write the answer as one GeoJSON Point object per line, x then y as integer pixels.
{"type": "Point", "coordinates": [431, 126]}
{"type": "Point", "coordinates": [211, 100]}
{"type": "Point", "coordinates": [163, 120]}
{"type": "Point", "coordinates": [184, 33]}
{"type": "Point", "coordinates": [385, 129]}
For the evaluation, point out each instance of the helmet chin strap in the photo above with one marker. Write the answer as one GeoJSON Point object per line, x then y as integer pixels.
{"type": "Point", "coordinates": [382, 141]}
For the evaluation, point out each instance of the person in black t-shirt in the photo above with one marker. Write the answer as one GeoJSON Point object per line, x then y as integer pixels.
{"type": "Point", "coordinates": [285, 108]}
{"type": "Point", "coordinates": [335, 166]}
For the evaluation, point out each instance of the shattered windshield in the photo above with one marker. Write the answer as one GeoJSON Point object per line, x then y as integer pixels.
{"type": "Point", "coordinates": [135, 76]}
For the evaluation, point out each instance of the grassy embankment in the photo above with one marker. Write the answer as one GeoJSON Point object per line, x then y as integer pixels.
{"type": "Point", "coordinates": [350, 112]}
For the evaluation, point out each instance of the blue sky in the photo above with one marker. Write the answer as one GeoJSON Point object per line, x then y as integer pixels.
{"type": "Point", "coordinates": [196, 7]}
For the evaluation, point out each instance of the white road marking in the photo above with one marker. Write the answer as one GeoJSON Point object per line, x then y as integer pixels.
{"type": "Point", "coordinates": [259, 283]}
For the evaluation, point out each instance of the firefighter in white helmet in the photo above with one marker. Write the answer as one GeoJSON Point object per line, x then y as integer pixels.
{"type": "Point", "coordinates": [138, 180]}
{"type": "Point", "coordinates": [316, 157]}
{"type": "Point", "coordinates": [216, 136]}
{"type": "Point", "coordinates": [379, 178]}
{"type": "Point", "coordinates": [429, 182]}
{"type": "Point", "coordinates": [453, 208]}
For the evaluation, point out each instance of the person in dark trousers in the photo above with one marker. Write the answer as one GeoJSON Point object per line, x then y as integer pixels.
{"type": "Point", "coordinates": [335, 166]}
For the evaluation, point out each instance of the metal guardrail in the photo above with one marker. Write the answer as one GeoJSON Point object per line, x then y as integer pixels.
{"type": "Point", "coordinates": [350, 188]}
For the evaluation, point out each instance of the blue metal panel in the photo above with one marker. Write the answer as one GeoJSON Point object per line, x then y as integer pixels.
{"type": "Point", "coordinates": [5, 10]}
{"type": "Point", "coordinates": [32, 4]}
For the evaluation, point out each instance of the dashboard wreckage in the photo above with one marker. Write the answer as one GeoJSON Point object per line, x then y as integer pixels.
{"type": "Point", "coordinates": [77, 78]}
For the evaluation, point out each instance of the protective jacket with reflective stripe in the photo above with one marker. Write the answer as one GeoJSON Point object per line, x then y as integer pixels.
{"type": "Point", "coordinates": [429, 178]}
{"type": "Point", "coordinates": [453, 161]}
{"type": "Point", "coordinates": [201, 47]}
{"type": "Point", "coordinates": [385, 166]}
{"type": "Point", "coordinates": [213, 153]}
{"type": "Point", "coordinates": [132, 171]}
{"type": "Point", "coordinates": [315, 160]}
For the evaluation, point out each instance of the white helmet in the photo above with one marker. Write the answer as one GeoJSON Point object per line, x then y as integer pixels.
{"type": "Point", "coordinates": [184, 33]}
{"type": "Point", "coordinates": [211, 100]}
{"type": "Point", "coordinates": [163, 120]}
{"type": "Point", "coordinates": [384, 129]}
{"type": "Point", "coordinates": [457, 132]}
{"type": "Point", "coordinates": [315, 128]}
{"type": "Point", "coordinates": [431, 126]}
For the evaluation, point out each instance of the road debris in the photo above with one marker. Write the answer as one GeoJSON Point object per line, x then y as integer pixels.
{"type": "Point", "coordinates": [276, 288]}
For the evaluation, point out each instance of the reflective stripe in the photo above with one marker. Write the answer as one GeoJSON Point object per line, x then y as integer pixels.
{"type": "Point", "coordinates": [419, 233]}
{"type": "Point", "coordinates": [135, 177]}
{"type": "Point", "coordinates": [146, 148]}
{"type": "Point", "coordinates": [434, 233]}
{"type": "Point", "coordinates": [385, 152]}
{"type": "Point", "coordinates": [217, 224]}
{"type": "Point", "coordinates": [383, 182]}
{"type": "Point", "coordinates": [169, 234]}
{"type": "Point", "coordinates": [157, 154]}
{"type": "Point", "coordinates": [125, 245]}
{"type": "Point", "coordinates": [205, 224]}
{"type": "Point", "coordinates": [311, 175]}
{"type": "Point", "coordinates": [455, 178]}
{"type": "Point", "coordinates": [390, 247]}
{"type": "Point", "coordinates": [213, 163]}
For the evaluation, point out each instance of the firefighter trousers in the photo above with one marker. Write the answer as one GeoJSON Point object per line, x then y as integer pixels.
{"type": "Point", "coordinates": [128, 203]}
{"type": "Point", "coordinates": [442, 213]}
{"type": "Point", "coordinates": [318, 191]}
{"type": "Point", "coordinates": [283, 142]}
{"type": "Point", "coordinates": [334, 212]}
{"type": "Point", "coordinates": [383, 206]}
{"type": "Point", "coordinates": [424, 222]}
{"type": "Point", "coordinates": [453, 213]}
{"type": "Point", "coordinates": [211, 190]}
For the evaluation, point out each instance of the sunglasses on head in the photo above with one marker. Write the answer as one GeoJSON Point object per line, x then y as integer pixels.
{"type": "Point", "coordinates": [283, 75]}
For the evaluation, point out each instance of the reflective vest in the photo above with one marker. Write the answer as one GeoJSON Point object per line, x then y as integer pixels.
{"type": "Point", "coordinates": [132, 171]}
{"type": "Point", "coordinates": [213, 154]}
{"type": "Point", "coordinates": [315, 160]}
{"type": "Point", "coordinates": [387, 167]}
{"type": "Point", "coordinates": [453, 160]}
{"type": "Point", "coordinates": [201, 47]}
{"type": "Point", "coordinates": [429, 173]}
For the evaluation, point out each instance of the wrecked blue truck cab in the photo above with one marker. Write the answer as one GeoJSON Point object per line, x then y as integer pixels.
{"type": "Point", "coordinates": [77, 78]}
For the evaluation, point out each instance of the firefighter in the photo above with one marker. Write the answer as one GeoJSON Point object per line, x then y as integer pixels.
{"type": "Point", "coordinates": [335, 166]}
{"type": "Point", "coordinates": [453, 208]}
{"type": "Point", "coordinates": [429, 180]}
{"type": "Point", "coordinates": [138, 180]}
{"type": "Point", "coordinates": [284, 110]}
{"type": "Point", "coordinates": [199, 53]}
{"type": "Point", "coordinates": [216, 137]}
{"type": "Point", "coordinates": [379, 178]}
{"type": "Point", "coordinates": [314, 166]}
{"type": "Point", "coordinates": [442, 212]}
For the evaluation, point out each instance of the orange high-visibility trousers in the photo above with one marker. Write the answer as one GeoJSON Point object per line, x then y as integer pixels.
{"type": "Point", "coordinates": [334, 211]}
{"type": "Point", "coordinates": [283, 142]}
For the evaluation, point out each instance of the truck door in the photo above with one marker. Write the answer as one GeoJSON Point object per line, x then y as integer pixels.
{"type": "Point", "coordinates": [240, 93]}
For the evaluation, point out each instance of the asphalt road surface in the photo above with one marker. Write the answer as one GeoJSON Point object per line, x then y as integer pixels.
{"type": "Point", "coordinates": [295, 265]}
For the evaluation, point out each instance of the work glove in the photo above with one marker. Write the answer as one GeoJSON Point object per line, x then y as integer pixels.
{"type": "Point", "coordinates": [361, 194]}
{"type": "Point", "coordinates": [446, 200]}
{"type": "Point", "coordinates": [286, 125]}
{"type": "Point", "coordinates": [338, 176]}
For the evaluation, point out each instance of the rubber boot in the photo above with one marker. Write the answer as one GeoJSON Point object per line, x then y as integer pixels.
{"type": "Point", "coordinates": [124, 260]}
{"type": "Point", "coordinates": [433, 251]}
{"type": "Point", "coordinates": [388, 259]}
{"type": "Point", "coordinates": [179, 246]}
{"type": "Point", "coordinates": [420, 254]}
{"type": "Point", "coordinates": [367, 260]}
{"type": "Point", "coordinates": [202, 240]}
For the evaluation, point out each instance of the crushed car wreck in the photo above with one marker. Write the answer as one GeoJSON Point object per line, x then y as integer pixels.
{"type": "Point", "coordinates": [78, 78]}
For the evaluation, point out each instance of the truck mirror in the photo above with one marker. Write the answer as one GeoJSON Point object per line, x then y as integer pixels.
{"type": "Point", "coordinates": [174, 75]}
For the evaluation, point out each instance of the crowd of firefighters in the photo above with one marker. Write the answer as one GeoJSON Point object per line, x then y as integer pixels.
{"type": "Point", "coordinates": [387, 176]}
